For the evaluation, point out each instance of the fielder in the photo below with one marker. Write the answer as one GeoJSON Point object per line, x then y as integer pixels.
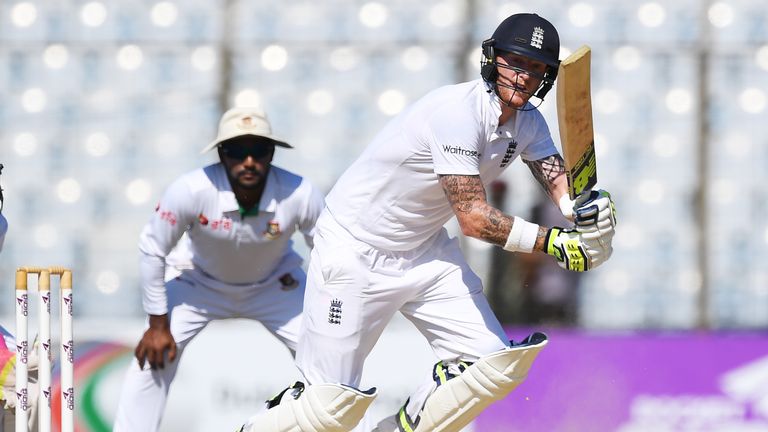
{"type": "Point", "coordinates": [8, 363]}
{"type": "Point", "coordinates": [380, 245]}
{"type": "Point", "coordinates": [7, 357]}
{"type": "Point", "coordinates": [3, 221]}
{"type": "Point", "coordinates": [238, 216]}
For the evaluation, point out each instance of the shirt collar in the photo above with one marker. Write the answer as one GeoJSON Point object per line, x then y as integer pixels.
{"type": "Point", "coordinates": [227, 201]}
{"type": "Point", "coordinates": [268, 202]}
{"type": "Point", "coordinates": [494, 130]}
{"type": "Point", "coordinates": [493, 101]}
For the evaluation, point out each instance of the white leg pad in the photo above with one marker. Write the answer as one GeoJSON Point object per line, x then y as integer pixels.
{"type": "Point", "coordinates": [320, 408]}
{"type": "Point", "coordinates": [458, 401]}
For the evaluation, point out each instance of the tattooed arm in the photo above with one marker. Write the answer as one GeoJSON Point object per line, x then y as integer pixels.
{"type": "Point", "coordinates": [550, 173]}
{"type": "Point", "coordinates": [476, 217]}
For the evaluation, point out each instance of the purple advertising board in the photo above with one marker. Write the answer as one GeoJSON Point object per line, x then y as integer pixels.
{"type": "Point", "coordinates": [632, 382]}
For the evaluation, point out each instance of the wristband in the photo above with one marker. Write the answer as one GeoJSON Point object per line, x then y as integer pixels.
{"type": "Point", "coordinates": [522, 236]}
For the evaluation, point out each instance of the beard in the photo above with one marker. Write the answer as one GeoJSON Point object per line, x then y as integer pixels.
{"type": "Point", "coordinates": [512, 90]}
{"type": "Point", "coordinates": [255, 181]}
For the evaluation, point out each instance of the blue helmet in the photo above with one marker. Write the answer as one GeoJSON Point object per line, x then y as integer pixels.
{"type": "Point", "coordinates": [527, 35]}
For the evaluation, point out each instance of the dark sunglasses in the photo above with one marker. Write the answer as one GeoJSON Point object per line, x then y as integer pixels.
{"type": "Point", "coordinates": [241, 152]}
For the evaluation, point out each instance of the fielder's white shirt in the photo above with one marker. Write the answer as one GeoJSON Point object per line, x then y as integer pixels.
{"type": "Point", "coordinates": [3, 230]}
{"type": "Point", "coordinates": [390, 197]}
{"type": "Point", "coordinates": [4, 334]}
{"type": "Point", "coordinates": [228, 251]}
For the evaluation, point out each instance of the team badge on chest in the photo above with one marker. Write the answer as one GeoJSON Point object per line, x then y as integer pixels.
{"type": "Point", "coordinates": [334, 312]}
{"type": "Point", "coordinates": [273, 230]}
{"type": "Point", "coordinates": [508, 154]}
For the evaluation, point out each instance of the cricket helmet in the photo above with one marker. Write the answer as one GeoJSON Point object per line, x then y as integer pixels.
{"type": "Point", "coordinates": [527, 35]}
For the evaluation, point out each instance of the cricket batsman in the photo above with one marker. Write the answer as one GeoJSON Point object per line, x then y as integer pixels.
{"type": "Point", "coordinates": [381, 246]}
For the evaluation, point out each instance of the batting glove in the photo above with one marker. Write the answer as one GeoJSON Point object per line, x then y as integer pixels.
{"type": "Point", "coordinates": [573, 252]}
{"type": "Point", "coordinates": [588, 207]}
{"type": "Point", "coordinates": [596, 221]}
{"type": "Point", "coordinates": [595, 208]}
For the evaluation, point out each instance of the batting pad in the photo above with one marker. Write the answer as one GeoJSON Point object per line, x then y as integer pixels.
{"type": "Point", "coordinates": [320, 408]}
{"type": "Point", "coordinates": [459, 400]}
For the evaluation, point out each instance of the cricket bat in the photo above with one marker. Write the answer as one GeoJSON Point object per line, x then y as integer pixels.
{"type": "Point", "coordinates": [574, 116]}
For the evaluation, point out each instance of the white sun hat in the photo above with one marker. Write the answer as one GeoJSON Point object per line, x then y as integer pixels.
{"type": "Point", "coordinates": [241, 121]}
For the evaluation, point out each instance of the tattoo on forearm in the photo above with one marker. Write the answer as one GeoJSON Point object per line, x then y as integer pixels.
{"type": "Point", "coordinates": [541, 240]}
{"type": "Point", "coordinates": [467, 196]}
{"type": "Point", "coordinates": [547, 170]}
{"type": "Point", "coordinates": [463, 191]}
{"type": "Point", "coordinates": [496, 230]}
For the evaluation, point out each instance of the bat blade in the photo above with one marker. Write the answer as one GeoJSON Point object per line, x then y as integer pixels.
{"type": "Point", "coordinates": [574, 117]}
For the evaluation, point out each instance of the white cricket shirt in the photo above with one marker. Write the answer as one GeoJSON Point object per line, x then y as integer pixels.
{"type": "Point", "coordinates": [228, 250]}
{"type": "Point", "coordinates": [3, 230]}
{"type": "Point", "coordinates": [390, 196]}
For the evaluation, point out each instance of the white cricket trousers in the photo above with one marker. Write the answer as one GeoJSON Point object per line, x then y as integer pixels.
{"type": "Point", "coordinates": [353, 290]}
{"type": "Point", "coordinates": [191, 306]}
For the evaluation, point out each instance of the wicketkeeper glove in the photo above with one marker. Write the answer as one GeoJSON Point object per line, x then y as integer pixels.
{"type": "Point", "coordinates": [573, 252]}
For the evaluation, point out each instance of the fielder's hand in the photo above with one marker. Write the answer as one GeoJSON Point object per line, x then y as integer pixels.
{"type": "Point", "coordinates": [155, 342]}
{"type": "Point", "coordinates": [573, 252]}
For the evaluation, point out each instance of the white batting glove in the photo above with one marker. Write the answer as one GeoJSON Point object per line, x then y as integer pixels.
{"type": "Point", "coordinates": [594, 208]}
{"type": "Point", "coordinates": [582, 211]}
{"type": "Point", "coordinates": [598, 237]}
{"type": "Point", "coordinates": [596, 221]}
{"type": "Point", "coordinates": [573, 252]}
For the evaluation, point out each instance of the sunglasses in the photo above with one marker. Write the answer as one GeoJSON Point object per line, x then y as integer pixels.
{"type": "Point", "coordinates": [241, 152]}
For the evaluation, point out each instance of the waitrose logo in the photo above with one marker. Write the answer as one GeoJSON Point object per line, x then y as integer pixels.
{"type": "Point", "coordinates": [460, 151]}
